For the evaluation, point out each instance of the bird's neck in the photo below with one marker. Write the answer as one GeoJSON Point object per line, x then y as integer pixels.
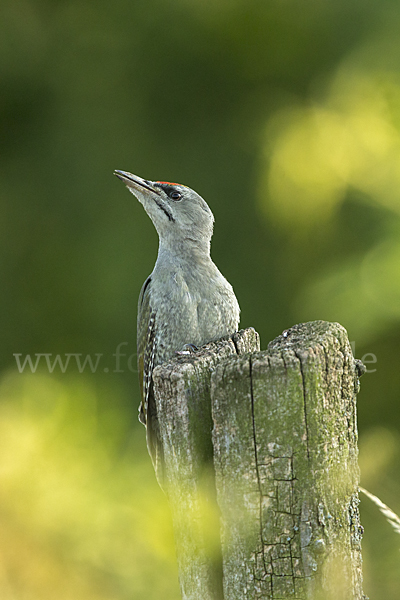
{"type": "Point", "coordinates": [185, 250]}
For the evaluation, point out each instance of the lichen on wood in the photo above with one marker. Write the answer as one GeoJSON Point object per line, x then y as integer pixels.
{"type": "Point", "coordinates": [182, 394]}
{"type": "Point", "coordinates": [261, 464]}
{"type": "Point", "coordinates": [285, 455]}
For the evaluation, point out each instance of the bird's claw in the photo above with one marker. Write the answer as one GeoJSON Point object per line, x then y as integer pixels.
{"type": "Point", "coordinates": [187, 350]}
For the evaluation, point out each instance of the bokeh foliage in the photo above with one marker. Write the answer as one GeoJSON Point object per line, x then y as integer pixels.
{"type": "Point", "coordinates": [285, 116]}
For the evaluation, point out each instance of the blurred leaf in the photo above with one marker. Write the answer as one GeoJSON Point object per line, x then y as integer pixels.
{"type": "Point", "coordinates": [80, 520]}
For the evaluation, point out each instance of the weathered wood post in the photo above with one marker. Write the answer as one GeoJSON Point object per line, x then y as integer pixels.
{"type": "Point", "coordinates": [261, 464]}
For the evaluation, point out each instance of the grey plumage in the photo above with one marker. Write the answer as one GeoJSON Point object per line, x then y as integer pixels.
{"type": "Point", "coordinates": [185, 300]}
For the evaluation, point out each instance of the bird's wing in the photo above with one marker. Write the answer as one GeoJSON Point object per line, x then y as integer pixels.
{"type": "Point", "coordinates": [146, 347]}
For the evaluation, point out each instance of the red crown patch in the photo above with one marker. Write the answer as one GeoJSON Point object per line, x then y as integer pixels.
{"type": "Point", "coordinates": [168, 183]}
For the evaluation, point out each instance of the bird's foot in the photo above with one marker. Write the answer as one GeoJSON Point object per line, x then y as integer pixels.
{"type": "Point", "coordinates": [187, 350]}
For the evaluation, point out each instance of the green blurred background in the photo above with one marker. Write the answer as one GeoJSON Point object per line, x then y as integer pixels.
{"type": "Point", "coordinates": [285, 116]}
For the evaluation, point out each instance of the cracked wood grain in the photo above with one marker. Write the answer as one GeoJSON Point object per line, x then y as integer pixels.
{"type": "Point", "coordinates": [285, 456]}
{"type": "Point", "coordinates": [261, 464]}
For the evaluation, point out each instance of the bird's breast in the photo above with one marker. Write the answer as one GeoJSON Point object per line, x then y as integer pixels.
{"type": "Point", "coordinates": [193, 306]}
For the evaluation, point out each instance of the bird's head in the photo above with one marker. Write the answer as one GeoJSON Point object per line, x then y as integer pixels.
{"type": "Point", "coordinates": [179, 214]}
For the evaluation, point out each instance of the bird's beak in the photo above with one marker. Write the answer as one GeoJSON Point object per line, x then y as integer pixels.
{"type": "Point", "coordinates": [133, 182]}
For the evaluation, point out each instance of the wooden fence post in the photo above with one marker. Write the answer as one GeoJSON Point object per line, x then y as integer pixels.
{"type": "Point", "coordinates": [261, 464]}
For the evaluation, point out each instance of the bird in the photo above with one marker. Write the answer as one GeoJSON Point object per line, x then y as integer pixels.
{"type": "Point", "coordinates": [185, 302]}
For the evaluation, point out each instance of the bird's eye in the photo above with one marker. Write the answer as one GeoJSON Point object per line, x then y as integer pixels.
{"type": "Point", "coordinates": [175, 195]}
